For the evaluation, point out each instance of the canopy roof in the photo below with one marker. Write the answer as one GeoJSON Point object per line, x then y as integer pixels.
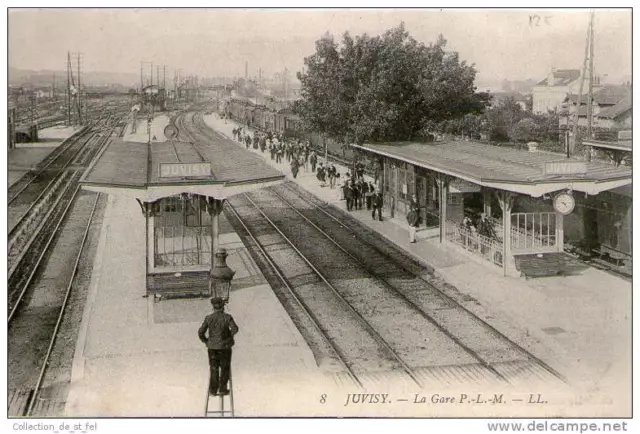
{"type": "Point", "coordinates": [505, 168]}
{"type": "Point", "coordinates": [148, 172]}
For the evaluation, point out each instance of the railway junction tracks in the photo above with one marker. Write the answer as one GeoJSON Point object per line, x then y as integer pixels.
{"type": "Point", "coordinates": [362, 305]}
{"type": "Point", "coordinates": [51, 249]}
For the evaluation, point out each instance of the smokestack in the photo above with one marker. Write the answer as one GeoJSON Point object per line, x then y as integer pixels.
{"type": "Point", "coordinates": [246, 69]}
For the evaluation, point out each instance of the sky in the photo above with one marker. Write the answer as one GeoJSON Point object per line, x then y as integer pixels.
{"type": "Point", "coordinates": [503, 44]}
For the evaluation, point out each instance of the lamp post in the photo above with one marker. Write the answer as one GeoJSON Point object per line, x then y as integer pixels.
{"type": "Point", "coordinates": [220, 276]}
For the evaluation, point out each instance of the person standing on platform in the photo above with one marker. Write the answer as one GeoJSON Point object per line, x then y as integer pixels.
{"type": "Point", "coordinates": [413, 218]}
{"type": "Point", "coordinates": [301, 163]}
{"type": "Point", "coordinates": [368, 194]}
{"type": "Point", "coordinates": [279, 153]}
{"type": "Point", "coordinates": [221, 328]}
{"type": "Point", "coordinates": [313, 158]}
{"type": "Point", "coordinates": [349, 194]}
{"type": "Point", "coordinates": [376, 203]}
{"type": "Point", "coordinates": [321, 175]}
{"type": "Point", "coordinates": [294, 168]}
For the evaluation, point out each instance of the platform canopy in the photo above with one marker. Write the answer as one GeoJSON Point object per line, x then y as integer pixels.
{"type": "Point", "coordinates": [502, 168]}
{"type": "Point", "coordinates": [149, 172]}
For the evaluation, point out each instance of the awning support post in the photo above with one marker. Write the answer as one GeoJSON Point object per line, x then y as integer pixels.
{"type": "Point", "coordinates": [506, 199]}
{"type": "Point", "coordinates": [443, 190]}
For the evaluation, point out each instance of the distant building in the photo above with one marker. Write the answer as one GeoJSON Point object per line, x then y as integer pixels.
{"type": "Point", "coordinates": [618, 116]}
{"type": "Point", "coordinates": [611, 108]}
{"type": "Point", "coordinates": [549, 94]}
{"type": "Point", "coordinates": [498, 97]}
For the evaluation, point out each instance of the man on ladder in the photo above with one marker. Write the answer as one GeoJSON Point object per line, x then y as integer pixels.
{"type": "Point", "coordinates": [222, 328]}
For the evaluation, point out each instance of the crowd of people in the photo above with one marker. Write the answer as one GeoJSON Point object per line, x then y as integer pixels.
{"type": "Point", "coordinates": [296, 152]}
{"type": "Point", "coordinates": [352, 187]}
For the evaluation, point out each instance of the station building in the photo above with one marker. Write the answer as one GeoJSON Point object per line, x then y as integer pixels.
{"type": "Point", "coordinates": [538, 203]}
{"type": "Point", "coordinates": [180, 187]}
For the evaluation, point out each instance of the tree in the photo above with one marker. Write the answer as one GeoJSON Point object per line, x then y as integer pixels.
{"type": "Point", "coordinates": [525, 130]}
{"type": "Point", "coordinates": [384, 88]}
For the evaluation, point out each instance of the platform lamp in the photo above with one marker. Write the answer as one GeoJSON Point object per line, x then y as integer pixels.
{"type": "Point", "coordinates": [220, 276]}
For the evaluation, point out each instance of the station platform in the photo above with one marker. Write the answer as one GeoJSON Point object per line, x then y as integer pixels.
{"type": "Point", "coordinates": [579, 324]}
{"type": "Point", "coordinates": [26, 156]}
{"type": "Point", "coordinates": [141, 135]}
{"type": "Point", "coordinates": [137, 357]}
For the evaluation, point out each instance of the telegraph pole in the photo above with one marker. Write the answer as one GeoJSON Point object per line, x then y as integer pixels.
{"type": "Point", "coordinates": [68, 88]}
{"type": "Point", "coordinates": [590, 97]}
{"type": "Point", "coordinates": [576, 117]}
{"type": "Point", "coordinates": [79, 94]}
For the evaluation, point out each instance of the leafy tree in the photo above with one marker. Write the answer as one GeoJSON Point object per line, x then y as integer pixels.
{"type": "Point", "coordinates": [525, 130]}
{"type": "Point", "coordinates": [384, 88]}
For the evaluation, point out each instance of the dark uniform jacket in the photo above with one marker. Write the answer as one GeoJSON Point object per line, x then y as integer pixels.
{"type": "Point", "coordinates": [221, 327]}
{"type": "Point", "coordinates": [377, 200]}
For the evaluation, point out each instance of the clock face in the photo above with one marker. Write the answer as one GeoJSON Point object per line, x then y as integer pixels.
{"type": "Point", "coordinates": [564, 203]}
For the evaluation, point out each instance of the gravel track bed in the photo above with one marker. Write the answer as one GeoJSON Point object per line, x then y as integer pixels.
{"type": "Point", "coordinates": [58, 375]}
{"type": "Point", "coordinates": [413, 337]}
{"type": "Point", "coordinates": [28, 260]}
{"type": "Point", "coordinates": [362, 353]}
{"type": "Point", "coordinates": [468, 320]}
{"type": "Point", "coordinates": [323, 354]}
{"type": "Point", "coordinates": [30, 331]}
{"type": "Point", "coordinates": [467, 328]}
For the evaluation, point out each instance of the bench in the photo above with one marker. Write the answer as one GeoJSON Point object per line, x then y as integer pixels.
{"type": "Point", "coordinates": [164, 286]}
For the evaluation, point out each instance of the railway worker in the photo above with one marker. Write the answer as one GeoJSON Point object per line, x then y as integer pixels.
{"type": "Point", "coordinates": [313, 159]}
{"type": "Point", "coordinates": [221, 328]}
{"type": "Point", "coordinates": [376, 202]}
{"type": "Point", "coordinates": [413, 218]}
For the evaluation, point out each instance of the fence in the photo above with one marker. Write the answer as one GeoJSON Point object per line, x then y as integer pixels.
{"type": "Point", "coordinates": [530, 230]}
{"type": "Point", "coordinates": [487, 248]}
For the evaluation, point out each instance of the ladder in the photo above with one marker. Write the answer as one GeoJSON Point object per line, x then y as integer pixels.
{"type": "Point", "coordinates": [220, 406]}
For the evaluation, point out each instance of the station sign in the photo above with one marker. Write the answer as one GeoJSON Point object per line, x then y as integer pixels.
{"type": "Point", "coordinates": [565, 168]}
{"type": "Point", "coordinates": [184, 170]}
{"type": "Point", "coordinates": [462, 186]}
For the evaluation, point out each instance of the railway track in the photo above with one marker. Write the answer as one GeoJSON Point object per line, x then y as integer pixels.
{"type": "Point", "coordinates": [41, 175]}
{"type": "Point", "coordinates": [407, 278]}
{"type": "Point", "coordinates": [34, 203]}
{"type": "Point", "coordinates": [393, 325]}
{"type": "Point", "coordinates": [40, 333]}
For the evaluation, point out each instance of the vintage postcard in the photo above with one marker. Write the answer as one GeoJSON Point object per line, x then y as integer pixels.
{"type": "Point", "coordinates": [367, 213]}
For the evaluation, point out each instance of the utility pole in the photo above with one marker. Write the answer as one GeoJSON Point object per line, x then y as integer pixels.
{"type": "Point", "coordinates": [576, 115]}
{"type": "Point", "coordinates": [590, 97]}
{"type": "Point", "coordinates": [68, 89]}
{"type": "Point", "coordinates": [79, 94]}
{"type": "Point", "coordinates": [141, 81]}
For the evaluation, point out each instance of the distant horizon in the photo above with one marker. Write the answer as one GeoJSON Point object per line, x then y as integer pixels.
{"type": "Point", "coordinates": [502, 43]}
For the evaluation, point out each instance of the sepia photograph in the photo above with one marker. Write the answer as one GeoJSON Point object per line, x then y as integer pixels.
{"type": "Point", "coordinates": [376, 212]}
